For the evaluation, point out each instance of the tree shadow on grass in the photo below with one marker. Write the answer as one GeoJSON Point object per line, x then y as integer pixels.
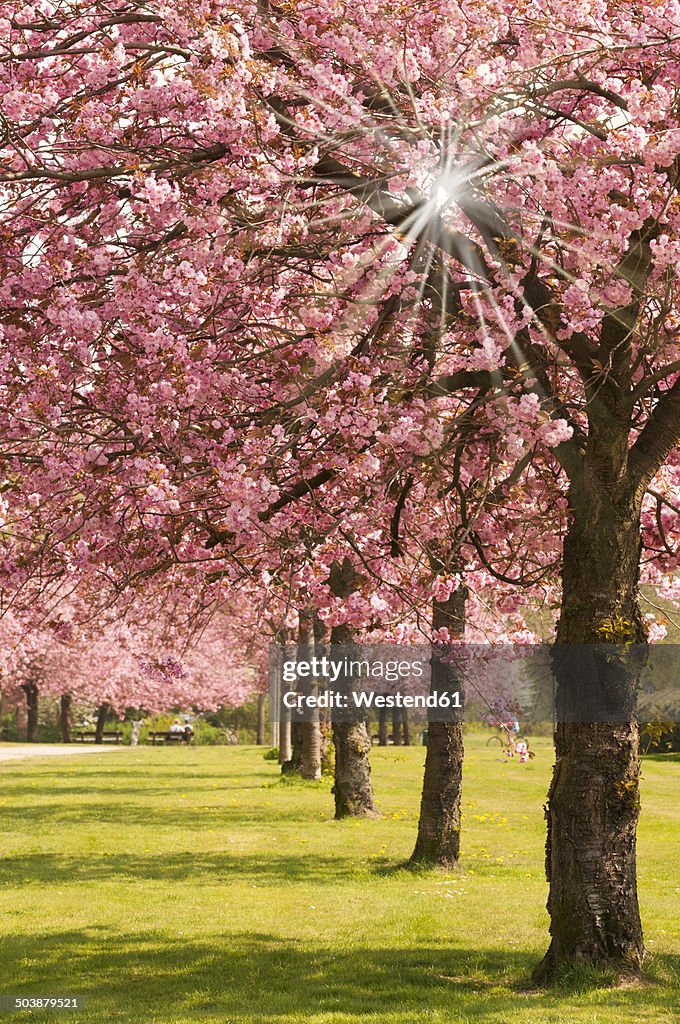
{"type": "Point", "coordinates": [196, 868]}
{"type": "Point", "coordinates": [92, 811]}
{"type": "Point", "coordinates": [385, 867]}
{"type": "Point", "coordinates": [262, 978]}
{"type": "Point", "coordinates": [76, 780]}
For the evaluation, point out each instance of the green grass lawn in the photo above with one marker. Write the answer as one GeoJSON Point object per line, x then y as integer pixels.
{"type": "Point", "coordinates": [178, 885]}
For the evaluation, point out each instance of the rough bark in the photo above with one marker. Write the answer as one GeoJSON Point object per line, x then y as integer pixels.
{"type": "Point", "coordinates": [311, 749]}
{"type": "Point", "coordinates": [383, 727]}
{"type": "Point", "coordinates": [65, 717]}
{"type": "Point", "coordinates": [438, 841]}
{"type": "Point", "coordinates": [31, 691]}
{"type": "Point", "coordinates": [261, 719]}
{"type": "Point", "coordinates": [593, 802]}
{"type": "Point", "coordinates": [352, 788]}
{"type": "Point", "coordinates": [103, 712]}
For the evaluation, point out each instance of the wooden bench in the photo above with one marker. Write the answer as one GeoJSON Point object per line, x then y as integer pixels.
{"type": "Point", "coordinates": [168, 737]}
{"type": "Point", "coordinates": [90, 737]}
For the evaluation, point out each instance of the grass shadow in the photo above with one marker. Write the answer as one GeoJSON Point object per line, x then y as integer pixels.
{"type": "Point", "coordinates": [123, 814]}
{"type": "Point", "coordinates": [261, 978]}
{"type": "Point", "coordinates": [199, 868]}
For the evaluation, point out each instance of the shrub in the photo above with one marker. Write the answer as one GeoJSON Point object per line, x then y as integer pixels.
{"type": "Point", "coordinates": [8, 729]}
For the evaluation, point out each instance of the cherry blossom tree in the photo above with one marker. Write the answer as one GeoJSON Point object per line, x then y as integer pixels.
{"type": "Point", "coordinates": [146, 659]}
{"type": "Point", "coordinates": [542, 176]}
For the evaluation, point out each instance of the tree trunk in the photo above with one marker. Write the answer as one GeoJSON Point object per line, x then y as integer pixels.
{"type": "Point", "coordinates": [285, 715]}
{"type": "Point", "coordinates": [352, 789]}
{"type": "Point", "coordinates": [31, 691]}
{"type": "Point", "coordinates": [405, 731]}
{"type": "Point", "coordinates": [279, 715]}
{"type": "Point", "coordinates": [102, 714]}
{"type": "Point", "coordinates": [593, 801]}
{"type": "Point", "coordinates": [273, 731]}
{"type": "Point", "coordinates": [65, 717]}
{"type": "Point", "coordinates": [305, 728]}
{"type": "Point", "coordinates": [261, 719]}
{"type": "Point", "coordinates": [310, 753]}
{"type": "Point", "coordinates": [320, 631]}
{"type": "Point", "coordinates": [311, 749]}
{"type": "Point", "coordinates": [438, 841]}
{"type": "Point", "coordinates": [285, 745]}
{"type": "Point", "coordinates": [294, 762]}
{"type": "Point", "coordinates": [383, 727]}
{"type": "Point", "coordinates": [20, 717]}
{"type": "Point", "coordinates": [396, 727]}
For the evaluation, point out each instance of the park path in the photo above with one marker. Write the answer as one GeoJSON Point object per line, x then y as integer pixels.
{"type": "Point", "coordinates": [22, 750]}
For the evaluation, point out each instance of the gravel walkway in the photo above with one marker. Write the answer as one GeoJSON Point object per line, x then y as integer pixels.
{"type": "Point", "coordinates": [19, 751]}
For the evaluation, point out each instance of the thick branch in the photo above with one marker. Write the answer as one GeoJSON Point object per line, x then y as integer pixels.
{"type": "Point", "coordinates": [657, 440]}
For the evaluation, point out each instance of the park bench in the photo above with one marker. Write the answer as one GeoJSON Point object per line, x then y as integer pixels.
{"type": "Point", "coordinates": [90, 737]}
{"type": "Point", "coordinates": [167, 737]}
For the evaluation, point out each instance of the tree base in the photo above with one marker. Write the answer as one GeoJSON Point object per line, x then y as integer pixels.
{"type": "Point", "coordinates": [552, 970]}
{"type": "Point", "coordinates": [355, 812]}
{"type": "Point", "coordinates": [434, 860]}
